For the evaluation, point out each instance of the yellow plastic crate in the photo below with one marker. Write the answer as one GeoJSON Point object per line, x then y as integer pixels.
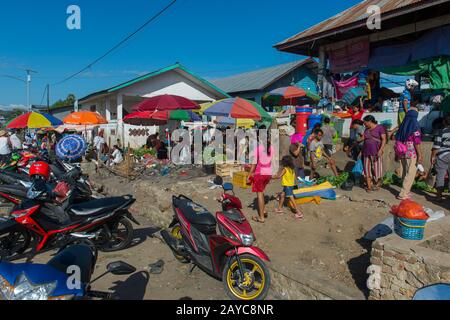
{"type": "Point", "coordinates": [240, 179]}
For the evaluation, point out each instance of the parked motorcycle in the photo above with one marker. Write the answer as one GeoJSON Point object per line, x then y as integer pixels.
{"type": "Point", "coordinates": [228, 255]}
{"type": "Point", "coordinates": [51, 281]}
{"type": "Point", "coordinates": [16, 184]}
{"type": "Point", "coordinates": [106, 222]}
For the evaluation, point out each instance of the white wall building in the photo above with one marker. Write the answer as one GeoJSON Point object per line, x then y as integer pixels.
{"type": "Point", "coordinates": [116, 102]}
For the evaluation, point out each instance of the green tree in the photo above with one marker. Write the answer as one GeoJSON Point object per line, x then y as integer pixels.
{"type": "Point", "coordinates": [69, 101]}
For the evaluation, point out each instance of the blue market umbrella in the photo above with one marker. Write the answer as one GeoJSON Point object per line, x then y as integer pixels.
{"type": "Point", "coordinates": [71, 147]}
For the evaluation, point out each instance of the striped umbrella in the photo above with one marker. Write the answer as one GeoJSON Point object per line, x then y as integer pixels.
{"type": "Point", "coordinates": [290, 95]}
{"type": "Point", "coordinates": [237, 108]}
{"type": "Point", "coordinates": [34, 120]}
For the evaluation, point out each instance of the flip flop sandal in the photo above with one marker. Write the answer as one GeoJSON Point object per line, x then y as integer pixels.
{"type": "Point", "coordinates": [299, 216]}
{"type": "Point", "coordinates": [157, 267]}
{"type": "Point", "coordinates": [279, 211]}
{"type": "Point", "coordinates": [257, 219]}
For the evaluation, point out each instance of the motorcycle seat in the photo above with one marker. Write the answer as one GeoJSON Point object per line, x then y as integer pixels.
{"type": "Point", "coordinates": [75, 255]}
{"type": "Point", "coordinates": [99, 206]}
{"type": "Point", "coordinates": [234, 215]}
{"type": "Point", "coordinates": [195, 213]}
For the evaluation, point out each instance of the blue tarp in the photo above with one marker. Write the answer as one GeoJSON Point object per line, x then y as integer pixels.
{"type": "Point", "coordinates": [432, 44]}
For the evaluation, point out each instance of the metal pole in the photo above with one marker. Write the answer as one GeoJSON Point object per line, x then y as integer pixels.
{"type": "Point", "coordinates": [28, 89]}
{"type": "Point", "coordinates": [48, 98]}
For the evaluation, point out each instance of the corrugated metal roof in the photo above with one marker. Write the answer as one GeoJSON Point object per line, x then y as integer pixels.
{"type": "Point", "coordinates": [355, 14]}
{"type": "Point", "coordinates": [259, 79]}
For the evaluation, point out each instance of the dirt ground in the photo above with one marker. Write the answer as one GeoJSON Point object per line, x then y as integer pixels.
{"type": "Point", "coordinates": [328, 241]}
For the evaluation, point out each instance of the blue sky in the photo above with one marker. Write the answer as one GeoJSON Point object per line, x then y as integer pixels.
{"type": "Point", "coordinates": [213, 38]}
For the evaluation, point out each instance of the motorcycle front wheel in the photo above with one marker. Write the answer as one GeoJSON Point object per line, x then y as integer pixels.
{"type": "Point", "coordinates": [256, 282]}
{"type": "Point", "coordinates": [13, 244]}
{"type": "Point", "coordinates": [122, 233]}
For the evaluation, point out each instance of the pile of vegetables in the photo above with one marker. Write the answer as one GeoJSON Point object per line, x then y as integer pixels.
{"type": "Point", "coordinates": [138, 153]}
{"type": "Point", "coordinates": [335, 181]}
{"type": "Point", "coordinates": [391, 178]}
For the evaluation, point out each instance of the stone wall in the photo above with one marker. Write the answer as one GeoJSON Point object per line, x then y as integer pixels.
{"type": "Point", "coordinates": [407, 266]}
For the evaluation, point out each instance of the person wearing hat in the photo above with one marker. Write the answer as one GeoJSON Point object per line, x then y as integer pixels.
{"type": "Point", "coordinates": [406, 99]}
{"type": "Point", "coordinates": [5, 146]}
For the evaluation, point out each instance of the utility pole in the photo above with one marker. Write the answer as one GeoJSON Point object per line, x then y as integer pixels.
{"type": "Point", "coordinates": [29, 72]}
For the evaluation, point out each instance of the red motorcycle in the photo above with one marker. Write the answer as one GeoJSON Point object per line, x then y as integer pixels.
{"type": "Point", "coordinates": [103, 222]}
{"type": "Point", "coordinates": [228, 255]}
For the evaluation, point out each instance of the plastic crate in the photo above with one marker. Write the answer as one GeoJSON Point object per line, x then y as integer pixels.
{"type": "Point", "coordinates": [409, 229]}
{"type": "Point", "coordinates": [240, 179]}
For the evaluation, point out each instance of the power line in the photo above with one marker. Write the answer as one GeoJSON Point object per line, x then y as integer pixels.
{"type": "Point", "coordinates": [120, 43]}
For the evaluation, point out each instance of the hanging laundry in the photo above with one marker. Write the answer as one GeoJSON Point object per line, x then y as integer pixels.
{"type": "Point", "coordinates": [343, 86]}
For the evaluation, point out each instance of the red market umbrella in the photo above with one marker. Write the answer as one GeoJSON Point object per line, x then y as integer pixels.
{"type": "Point", "coordinates": [150, 118]}
{"type": "Point", "coordinates": [146, 118]}
{"type": "Point", "coordinates": [166, 102]}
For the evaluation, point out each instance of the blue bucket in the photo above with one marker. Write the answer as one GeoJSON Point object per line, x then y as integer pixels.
{"type": "Point", "coordinates": [313, 120]}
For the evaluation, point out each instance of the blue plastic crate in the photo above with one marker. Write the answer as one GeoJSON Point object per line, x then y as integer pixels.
{"type": "Point", "coordinates": [409, 229]}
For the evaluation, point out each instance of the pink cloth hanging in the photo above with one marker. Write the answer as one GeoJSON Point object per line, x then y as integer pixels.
{"type": "Point", "coordinates": [343, 86]}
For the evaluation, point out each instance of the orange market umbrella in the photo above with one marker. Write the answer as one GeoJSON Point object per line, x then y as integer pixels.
{"type": "Point", "coordinates": [84, 118]}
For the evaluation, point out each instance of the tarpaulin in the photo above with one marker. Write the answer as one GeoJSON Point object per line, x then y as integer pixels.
{"type": "Point", "coordinates": [438, 69]}
{"type": "Point", "coordinates": [432, 44]}
{"type": "Point", "coordinates": [343, 86]}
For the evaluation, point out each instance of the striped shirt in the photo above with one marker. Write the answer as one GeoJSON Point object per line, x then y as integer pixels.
{"type": "Point", "coordinates": [442, 142]}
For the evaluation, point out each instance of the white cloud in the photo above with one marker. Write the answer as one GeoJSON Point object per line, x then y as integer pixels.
{"type": "Point", "coordinates": [13, 106]}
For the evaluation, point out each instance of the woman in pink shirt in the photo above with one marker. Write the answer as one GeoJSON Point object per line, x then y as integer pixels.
{"type": "Point", "coordinates": [260, 176]}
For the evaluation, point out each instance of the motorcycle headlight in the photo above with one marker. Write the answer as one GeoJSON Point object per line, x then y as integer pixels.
{"type": "Point", "coordinates": [247, 239]}
{"type": "Point", "coordinates": [23, 289]}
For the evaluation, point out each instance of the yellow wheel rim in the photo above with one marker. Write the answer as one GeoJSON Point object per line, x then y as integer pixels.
{"type": "Point", "coordinates": [176, 232]}
{"type": "Point", "coordinates": [253, 283]}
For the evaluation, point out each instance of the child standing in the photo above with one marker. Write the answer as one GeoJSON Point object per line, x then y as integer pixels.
{"type": "Point", "coordinates": [287, 176]}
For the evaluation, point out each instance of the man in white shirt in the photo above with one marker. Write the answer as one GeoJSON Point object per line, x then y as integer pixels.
{"type": "Point", "coordinates": [16, 144]}
{"type": "Point", "coordinates": [5, 146]}
{"type": "Point", "coordinates": [99, 141]}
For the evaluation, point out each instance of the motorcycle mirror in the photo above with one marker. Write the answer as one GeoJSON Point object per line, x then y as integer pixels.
{"type": "Point", "coordinates": [120, 268]}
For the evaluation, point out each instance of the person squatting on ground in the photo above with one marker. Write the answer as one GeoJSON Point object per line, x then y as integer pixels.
{"type": "Point", "coordinates": [319, 156]}
{"type": "Point", "coordinates": [375, 139]}
{"type": "Point", "coordinates": [440, 157]}
{"type": "Point", "coordinates": [408, 150]}
{"type": "Point", "coordinates": [287, 176]}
